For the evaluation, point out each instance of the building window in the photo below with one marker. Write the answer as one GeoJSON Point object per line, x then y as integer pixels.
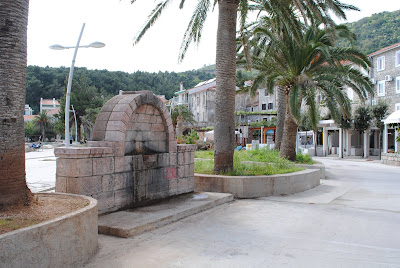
{"type": "Point", "coordinates": [397, 58]}
{"type": "Point", "coordinates": [381, 88]}
{"type": "Point", "coordinates": [397, 107]}
{"type": "Point", "coordinates": [266, 92]}
{"type": "Point", "coordinates": [265, 118]}
{"type": "Point", "coordinates": [264, 107]}
{"type": "Point", "coordinates": [380, 63]}
{"type": "Point", "coordinates": [350, 93]}
{"type": "Point", "coordinates": [398, 85]}
{"type": "Point", "coordinates": [270, 106]}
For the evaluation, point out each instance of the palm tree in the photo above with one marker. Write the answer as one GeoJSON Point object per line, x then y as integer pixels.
{"type": "Point", "coordinates": [13, 28]}
{"type": "Point", "coordinates": [286, 13]}
{"type": "Point", "coordinates": [224, 129]}
{"type": "Point", "coordinates": [184, 111]}
{"type": "Point", "coordinates": [305, 65]}
{"type": "Point", "coordinates": [43, 121]}
{"type": "Point", "coordinates": [226, 55]}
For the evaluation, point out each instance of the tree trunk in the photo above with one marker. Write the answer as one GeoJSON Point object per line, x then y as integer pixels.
{"type": "Point", "coordinates": [379, 144]}
{"type": "Point", "coordinates": [79, 124]}
{"type": "Point", "coordinates": [179, 126]}
{"type": "Point", "coordinates": [288, 145]}
{"type": "Point", "coordinates": [281, 111]}
{"type": "Point", "coordinates": [13, 35]}
{"type": "Point", "coordinates": [315, 142]}
{"type": "Point", "coordinates": [224, 129]}
{"type": "Point", "coordinates": [43, 132]}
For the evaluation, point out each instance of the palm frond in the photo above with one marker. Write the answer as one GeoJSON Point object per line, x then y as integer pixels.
{"type": "Point", "coordinates": [151, 19]}
{"type": "Point", "coordinates": [195, 27]}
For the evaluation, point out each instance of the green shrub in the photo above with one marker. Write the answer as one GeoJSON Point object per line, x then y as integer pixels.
{"type": "Point", "coordinates": [190, 138]}
{"type": "Point", "coordinates": [304, 159]}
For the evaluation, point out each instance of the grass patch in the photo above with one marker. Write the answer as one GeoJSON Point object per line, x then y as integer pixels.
{"type": "Point", "coordinates": [273, 164]}
{"type": "Point", "coordinates": [304, 159]}
{"type": "Point", "coordinates": [204, 154]}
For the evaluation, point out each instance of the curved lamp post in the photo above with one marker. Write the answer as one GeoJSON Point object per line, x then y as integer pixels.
{"type": "Point", "coordinates": [71, 73]}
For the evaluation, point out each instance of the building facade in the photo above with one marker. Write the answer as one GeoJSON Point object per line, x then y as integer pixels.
{"type": "Point", "coordinates": [49, 104]}
{"type": "Point", "coordinates": [385, 75]}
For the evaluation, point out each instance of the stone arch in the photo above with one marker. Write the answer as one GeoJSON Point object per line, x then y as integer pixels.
{"type": "Point", "coordinates": [138, 119]}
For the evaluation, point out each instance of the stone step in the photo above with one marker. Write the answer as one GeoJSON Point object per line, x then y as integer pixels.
{"type": "Point", "coordinates": [136, 221]}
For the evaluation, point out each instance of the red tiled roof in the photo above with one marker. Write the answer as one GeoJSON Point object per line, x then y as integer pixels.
{"type": "Point", "coordinates": [384, 49]}
{"type": "Point", "coordinates": [49, 102]}
{"type": "Point", "coordinates": [53, 111]}
{"type": "Point", "coordinates": [162, 99]}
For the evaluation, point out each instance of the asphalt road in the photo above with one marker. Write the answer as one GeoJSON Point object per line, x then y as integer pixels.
{"type": "Point", "coordinates": [351, 220]}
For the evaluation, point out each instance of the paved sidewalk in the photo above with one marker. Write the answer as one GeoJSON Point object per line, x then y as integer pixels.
{"type": "Point", "coordinates": [351, 220]}
{"type": "Point", "coordinates": [41, 170]}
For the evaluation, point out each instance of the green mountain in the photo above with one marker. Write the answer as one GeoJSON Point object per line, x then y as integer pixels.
{"type": "Point", "coordinates": [376, 32]}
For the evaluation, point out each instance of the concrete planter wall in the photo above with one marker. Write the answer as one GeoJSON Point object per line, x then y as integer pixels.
{"type": "Point", "coordinates": [318, 165]}
{"type": "Point", "coordinates": [259, 186]}
{"type": "Point", "coordinates": [390, 159]}
{"type": "Point", "coordinates": [67, 241]}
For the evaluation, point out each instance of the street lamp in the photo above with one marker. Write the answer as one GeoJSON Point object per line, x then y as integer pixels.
{"type": "Point", "coordinates": [71, 73]}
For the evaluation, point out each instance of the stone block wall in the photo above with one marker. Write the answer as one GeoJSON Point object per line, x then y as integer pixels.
{"type": "Point", "coordinates": [124, 181]}
{"type": "Point", "coordinates": [390, 159]}
{"type": "Point", "coordinates": [134, 158]}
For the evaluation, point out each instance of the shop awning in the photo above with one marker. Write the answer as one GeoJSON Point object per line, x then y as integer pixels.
{"type": "Point", "coordinates": [393, 118]}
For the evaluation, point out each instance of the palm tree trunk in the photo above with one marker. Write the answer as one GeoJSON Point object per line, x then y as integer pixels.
{"type": "Point", "coordinates": [315, 142]}
{"type": "Point", "coordinates": [43, 132]}
{"type": "Point", "coordinates": [288, 145]}
{"type": "Point", "coordinates": [13, 35]}
{"type": "Point", "coordinates": [224, 129]}
{"type": "Point", "coordinates": [281, 111]}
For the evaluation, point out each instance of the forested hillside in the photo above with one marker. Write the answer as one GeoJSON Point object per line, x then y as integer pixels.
{"type": "Point", "coordinates": [51, 82]}
{"type": "Point", "coordinates": [378, 31]}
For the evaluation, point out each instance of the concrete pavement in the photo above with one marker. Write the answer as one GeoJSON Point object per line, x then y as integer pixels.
{"type": "Point", "coordinates": [41, 170]}
{"type": "Point", "coordinates": [351, 220]}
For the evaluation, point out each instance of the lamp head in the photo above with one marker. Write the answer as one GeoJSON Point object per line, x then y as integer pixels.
{"type": "Point", "coordinates": [57, 47]}
{"type": "Point", "coordinates": [97, 45]}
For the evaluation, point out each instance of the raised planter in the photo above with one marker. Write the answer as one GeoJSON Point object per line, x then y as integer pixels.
{"type": "Point", "coordinates": [317, 165]}
{"type": "Point", "coordinates": [66, 241]}
{"type": "Point", "coordinates": [392, 159]}
{"type": "Point", "coordinates": [260, 186]}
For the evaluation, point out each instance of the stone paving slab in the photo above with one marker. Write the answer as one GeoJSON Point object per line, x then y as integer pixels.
{"type": "Point", "coordinates": [136, 221]}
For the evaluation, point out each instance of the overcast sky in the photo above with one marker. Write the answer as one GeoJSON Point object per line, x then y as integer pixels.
{"type": "Point", "coordinates": [115, 22]}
